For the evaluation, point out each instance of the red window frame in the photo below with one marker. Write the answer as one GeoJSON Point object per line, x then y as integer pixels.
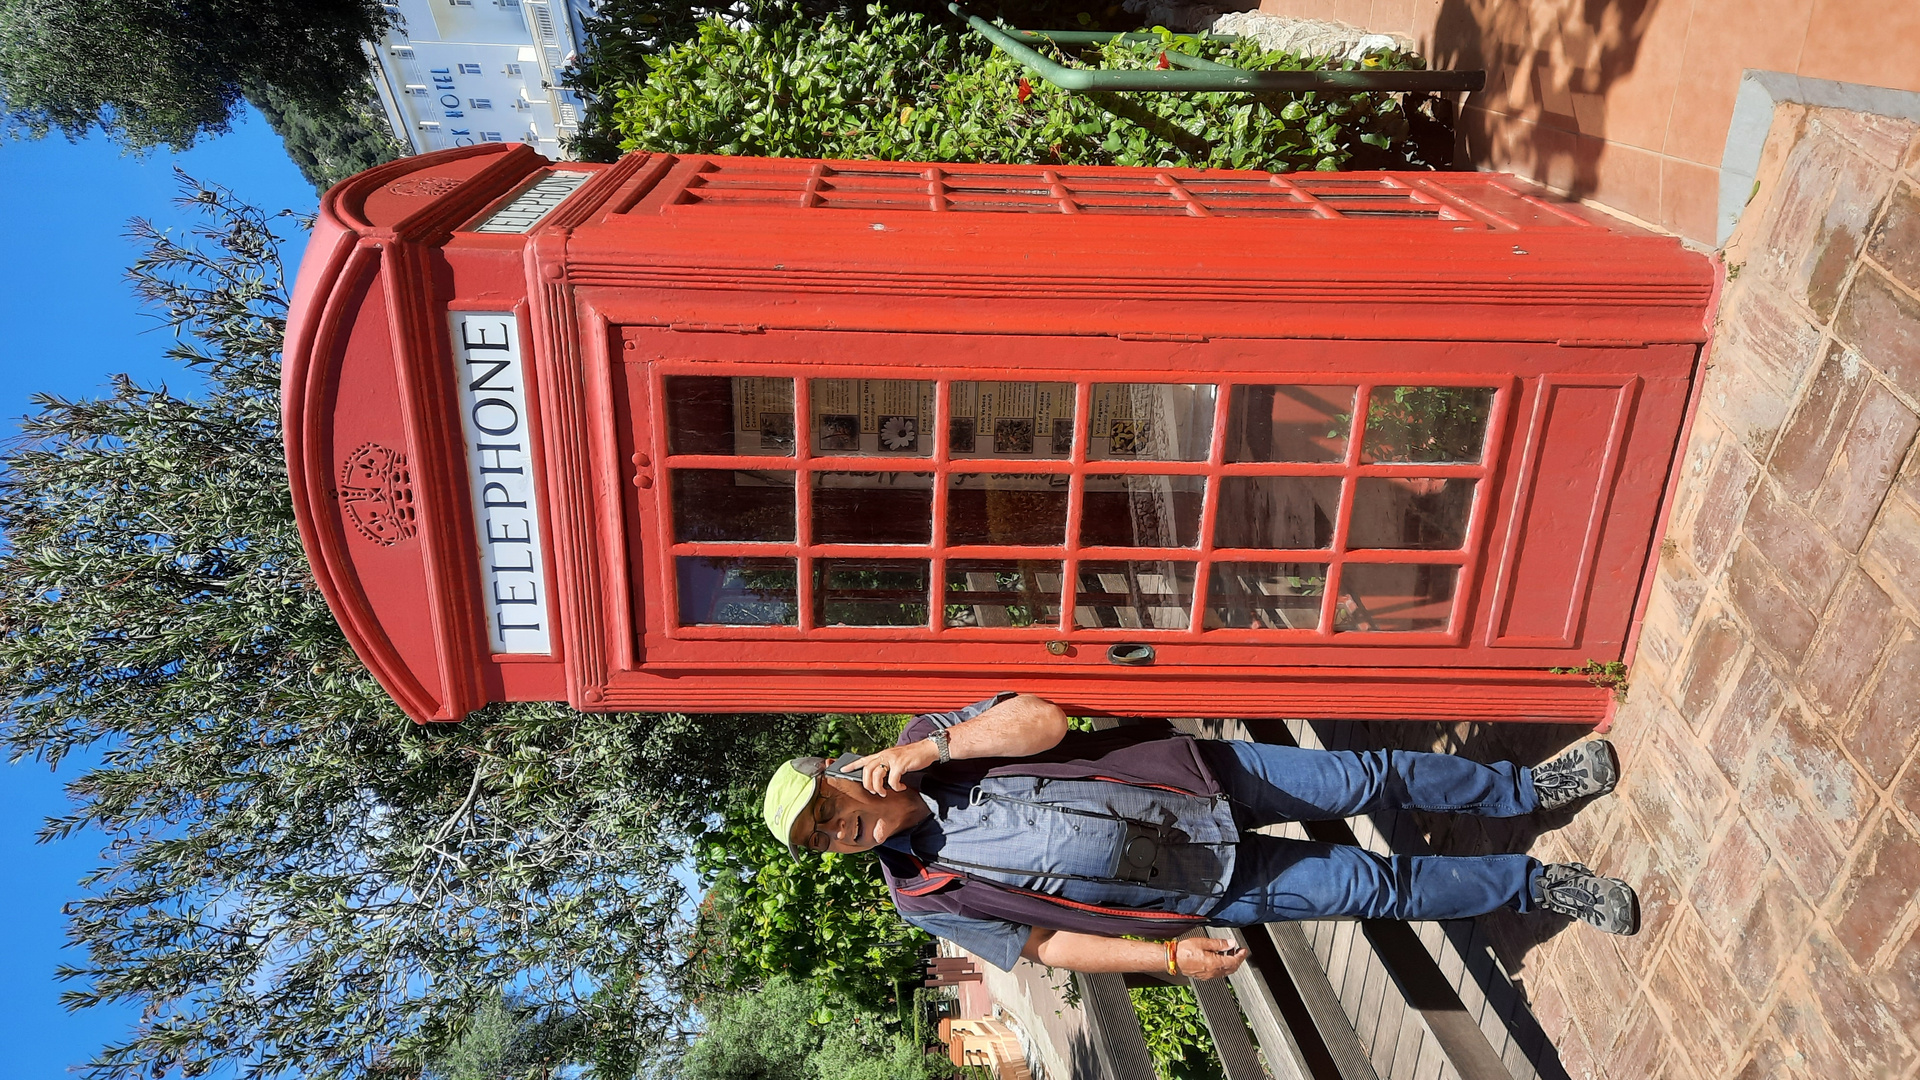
{"type": "Point", "coordinates": [735, 185]}
{"type": "Point", "coordinates": [662, 617]}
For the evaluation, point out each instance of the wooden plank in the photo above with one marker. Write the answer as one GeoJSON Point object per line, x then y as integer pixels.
{"type": "Point", "coordinates": [1432, 994]}
{"type": "Point", "coordinates": [1354, 982]}
{"type": "Point", "coordinates": [1406, 1052]}
{"type": "Point", "coordinates": [1528, 1048]}
{"type": "Point", "coordinates": [1431, 935]}
{"type": "Point", "coordinates": [1479, 975]}
{"type": "Point", "coordinates": [1429, 988]}
{"type": "Point", "coordinates": [1372, 1000]}
{"type": "Point", "coordinates": [1320, 935]}
{"type": "Point", "coordinates": [1117, 1045]}
{"type": "Point", "coordinates": [1237, 1057]}
{"type": "Point", "coordinates": [1329, 1019]}
{"type": "Point", "coordinates": [1270, 1027]}
{"type": "Point", "coordinates": [1433, 1059]}
{"type": "Point", "coordinates": [1391, 1030]}
{"type": "Point", "coordinates": [1281, 1022]}
{"type": "Point", "coordinates": [1519, 1061]}
{"type": "Point", "coordinates": [1344, 931]}
{"type": "Point", "coordinates": [1496, 1021]}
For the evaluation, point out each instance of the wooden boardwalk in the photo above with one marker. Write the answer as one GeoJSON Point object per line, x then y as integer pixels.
{"type": "Point", "coordinates": [1426, 1001]}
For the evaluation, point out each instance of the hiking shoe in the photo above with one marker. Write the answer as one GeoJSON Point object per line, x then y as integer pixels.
{"type": "Point", "coordinates": [1591, 768]}
{"type": "Point", "coordinates": [1577, 892]}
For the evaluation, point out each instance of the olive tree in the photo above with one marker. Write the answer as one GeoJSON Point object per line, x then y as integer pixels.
{"type": "Point", "coordinates": [295, 880]}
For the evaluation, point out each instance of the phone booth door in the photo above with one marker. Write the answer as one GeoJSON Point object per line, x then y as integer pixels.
{"type": "Point", "coordinates": [1337, 503]}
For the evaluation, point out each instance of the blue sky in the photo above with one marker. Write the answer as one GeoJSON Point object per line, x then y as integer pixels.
{"type": "Point", "coordinates": [70, 322]}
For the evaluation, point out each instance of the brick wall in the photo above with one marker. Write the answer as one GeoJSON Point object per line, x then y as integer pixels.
{"type": "Point", "coordinates": [1769, 812]}
{"type": "Point", "coordinates": [1771, 808]}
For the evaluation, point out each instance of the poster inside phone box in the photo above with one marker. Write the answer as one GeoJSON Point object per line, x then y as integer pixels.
{"type": "Point", "coordinates": [733, 434]}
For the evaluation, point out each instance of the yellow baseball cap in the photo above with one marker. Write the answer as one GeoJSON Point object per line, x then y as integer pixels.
{"type": "Point", "coordinates": [789, 794]}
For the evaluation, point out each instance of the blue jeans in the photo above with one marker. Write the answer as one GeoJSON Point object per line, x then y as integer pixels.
{"type": "Point", "coordinates": [1278, 880]}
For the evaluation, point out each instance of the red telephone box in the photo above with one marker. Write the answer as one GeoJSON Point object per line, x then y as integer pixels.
{"type": "Point", "coordinates": [744, 434]}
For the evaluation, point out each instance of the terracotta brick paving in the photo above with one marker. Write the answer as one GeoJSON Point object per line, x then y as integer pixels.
{"type": "Point", "coordinates": [1770, 810]}
{"type": "Point", "coordinates": [1771, 807]}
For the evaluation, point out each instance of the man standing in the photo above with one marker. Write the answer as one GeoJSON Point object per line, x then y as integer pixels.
{"type": "Point", "coordinates": [1002, 831]}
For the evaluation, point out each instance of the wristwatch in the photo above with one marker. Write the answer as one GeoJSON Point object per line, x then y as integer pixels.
{"type": "Point", "coordinates": [939, 740]}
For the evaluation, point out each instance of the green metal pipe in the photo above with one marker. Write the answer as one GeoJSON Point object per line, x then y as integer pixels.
{"type": "Point", "coordinates": [1227, 80]}
{"type": "Point", "coordinates": [1096, 37]}
{"type": "Point", "coordinates": [1185, 60]}
{"type": "Point", "coordinates": [1101, 37]}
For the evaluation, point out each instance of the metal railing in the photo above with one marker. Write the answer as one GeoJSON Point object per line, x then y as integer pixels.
{"type": "Point", "coordinates": [1200, 75]}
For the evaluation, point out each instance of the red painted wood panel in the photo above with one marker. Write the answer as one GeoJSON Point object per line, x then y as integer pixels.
{"type": "Point", "coordinates": [1571, 458]}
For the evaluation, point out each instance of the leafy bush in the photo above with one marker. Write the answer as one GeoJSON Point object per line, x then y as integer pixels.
{"type": "Point", "coordinates": [771, 1034]}
{"type": "Point", "coordinates": [1176, 1033]}
{"type": "Point", "coordinates": [897, 87]}
{"type": "Point", "coordinates": [620, 36]}
{"type": "Point", "coordinates": [825, 919]}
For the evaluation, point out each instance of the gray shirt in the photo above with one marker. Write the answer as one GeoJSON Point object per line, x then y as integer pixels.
{"type": "Point", "coordinates": [1064, 838]}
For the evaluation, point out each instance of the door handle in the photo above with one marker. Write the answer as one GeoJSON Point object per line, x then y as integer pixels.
{"type": "Point", "coordinates": [1130, 655]}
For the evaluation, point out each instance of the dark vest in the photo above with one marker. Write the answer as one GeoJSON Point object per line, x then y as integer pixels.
{"type": "Point", "coordinates": [1147, 755]}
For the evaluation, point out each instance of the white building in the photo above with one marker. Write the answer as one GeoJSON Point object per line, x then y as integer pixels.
{"type": "Point", "coordinates": [460, 72]}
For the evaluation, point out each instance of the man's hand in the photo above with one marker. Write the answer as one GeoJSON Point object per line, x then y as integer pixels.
{"type": "Point", "coordinates": [1196, 957]}
{"type": "Point", "coordinates": [1207, 957]}
{"type": "Point", "coordinates": [886, 768]}
{"type": "Point", "coordinates": [1016, 727]}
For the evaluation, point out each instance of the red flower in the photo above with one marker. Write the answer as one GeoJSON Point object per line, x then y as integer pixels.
{"type": "Point", "coordinates": [1026, 91]}
{"type": "Point", "coordinates": [1163, 62]}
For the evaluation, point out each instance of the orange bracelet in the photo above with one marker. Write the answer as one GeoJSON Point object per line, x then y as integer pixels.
{"type": "Point", "coordinates": [1172, 968]}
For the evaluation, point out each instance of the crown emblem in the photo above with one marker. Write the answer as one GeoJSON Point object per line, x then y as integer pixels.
{"type": "Point", "coordinates": [376, 493]}
{"type": "Point", "coordinates": [427, 186]}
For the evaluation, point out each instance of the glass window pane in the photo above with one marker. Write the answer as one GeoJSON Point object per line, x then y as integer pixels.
{"type": "Point", "coordinates": [1004, 508]}
{"type": "Point", "coordinates": [1026, 420]}
{"type": "Point", "coordinates": [871, 417]}
{"type": "Point", "coordinates": [1142, 511]}
{"type": "Point", "coordinates": [725, 414]}
{"type": "Point", "coordinates": [1289, 423]}
{"type": "Point", "coordinates": [724, 505]}
{"type": "Point", "coordinates": [716, 591]}
{"type": "Point", "coordinates": [873, 508]}
{"type": "Point", "coordinates": [1425, 513]}
{"type": "Point", "coordinates": [1151, 421]}
{"type": "Point", "coordinates": [1428, 423]}
{"type": "Point", "coordinates": [1003, 592]}
{"type": "Point", "coordinates": [1394, 597]}
{"type": "Point", "coordinates": [1277, 511]}
{"type": "Point", "coordinates": [1148, 595]}
{"type": "Point", "coordinates": [1266, 596]}
{"type": "Point", "coordinates": [871, 592]}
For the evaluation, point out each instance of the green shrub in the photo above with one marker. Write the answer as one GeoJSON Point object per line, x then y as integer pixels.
{"type": "Point", "coordinates": [897, 87]}
{"type": "Point", "coordinates": [772, 1034]}
{"type": "Point", "coordinates": [824, 919]}
{"type": "Point", "coordinates": [1176, 1033]}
